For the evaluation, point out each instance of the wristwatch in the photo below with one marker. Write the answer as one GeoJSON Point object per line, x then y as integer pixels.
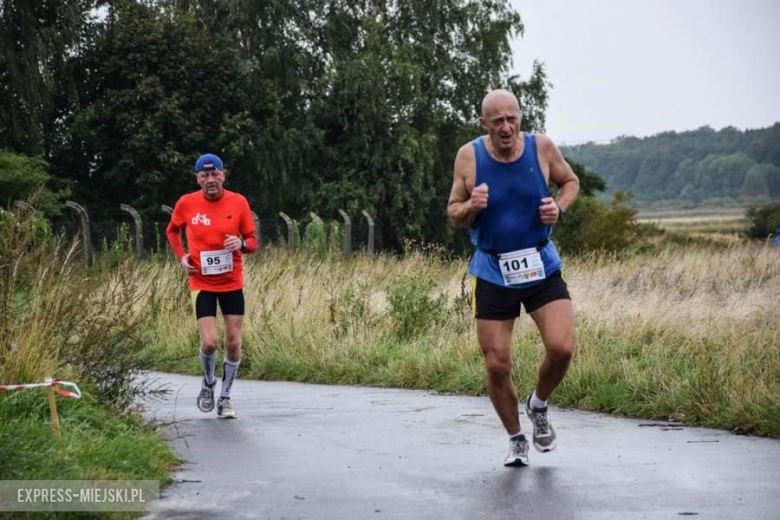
{"type": "Point", "coordinates": [243, 244]}
{"type": "Point", "coordinates": [561, 211]}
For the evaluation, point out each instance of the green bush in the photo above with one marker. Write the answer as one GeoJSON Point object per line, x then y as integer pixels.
{"type": "Point", "coordinates": [316, 238]}
{"type": "Point", "coordinates": [413, 308]}
{"type": "Point", "coordinates": [353, 308]}
{"type": "Point", "coordinates": [337, 237]}
{"type": "Point", "coordinates": [592, 226]}
{"type": "Point", "coordinates": [24, 178]}
{"type": "Point", "coordinates": [119, 250]}
{"type": "Point", "coordinates": [764, 221]}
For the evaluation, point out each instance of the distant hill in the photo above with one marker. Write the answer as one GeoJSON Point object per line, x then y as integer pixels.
{"type": "Point", "coordinates": [696, 167]}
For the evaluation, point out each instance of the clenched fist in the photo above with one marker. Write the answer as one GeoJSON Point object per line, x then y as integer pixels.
{"type": "Point", "coordinates": [479, 197]}
{"type": "Point", "coordinates": [549, 211]}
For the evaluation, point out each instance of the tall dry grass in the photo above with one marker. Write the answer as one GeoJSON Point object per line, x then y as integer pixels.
{"type": "Point", "coordinates": [63, 321]}
{"type": "Point", "coordinates": [691, 331]}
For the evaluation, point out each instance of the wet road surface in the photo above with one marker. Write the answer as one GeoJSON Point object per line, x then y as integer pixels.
{"type": "Point", "coordinates": [300, 451]}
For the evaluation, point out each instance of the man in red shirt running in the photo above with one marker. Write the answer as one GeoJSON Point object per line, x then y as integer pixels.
{"type": "Point", "coordinates": [219, 228]}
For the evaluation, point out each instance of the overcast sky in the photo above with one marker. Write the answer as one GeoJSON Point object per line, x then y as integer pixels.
{"type": "Point", "coordinates": [639, 67]}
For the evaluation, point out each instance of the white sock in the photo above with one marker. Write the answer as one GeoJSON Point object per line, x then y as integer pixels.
{"type": "Point", "coordinates": [209, 363]}
{"type": "Point", "coordinates": [229, 371]}
{"type": "Point", "coordinates": [536, 403]}
{"type": "Point", "coordinates": [515, 435]}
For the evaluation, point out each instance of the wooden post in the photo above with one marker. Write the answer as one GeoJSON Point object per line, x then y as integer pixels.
{"type": "Point", "coordinates": [55, 419]}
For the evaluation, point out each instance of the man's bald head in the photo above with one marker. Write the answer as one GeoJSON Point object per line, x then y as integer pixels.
{"type": "Point", "coordinates": [501, 120]}
{"type": "Point", "coordinates": [501, 96]}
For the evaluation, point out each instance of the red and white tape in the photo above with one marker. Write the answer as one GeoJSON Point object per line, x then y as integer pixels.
{"type": "Point", "coordinates": [76, 394]}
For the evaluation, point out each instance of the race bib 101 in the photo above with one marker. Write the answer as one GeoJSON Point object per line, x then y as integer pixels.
{"type": "Point", "coordinates": [523, 266]}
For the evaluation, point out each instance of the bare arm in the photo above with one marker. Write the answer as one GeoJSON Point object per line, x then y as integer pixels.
{"type": "Point", "coordinates": [465, 199]}
{"type": "Point", "coordinates": [560, 174]}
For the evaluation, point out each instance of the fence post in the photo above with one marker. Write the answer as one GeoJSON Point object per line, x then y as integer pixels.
{"type": "Point", "coordinates": [84, 218]}
{"type": "Point", "coordinates": [370, 232]}
{"type": "Point", "coordinates": [290, 235]}
{"type": "Point", "coordinates": [257, 228]}
{"type": "Point", "coordinates": [139, 229]}
{"type": "Point", "coordinates": [25, 207]}
{"type": "Point", "coordinates": [347, 232]}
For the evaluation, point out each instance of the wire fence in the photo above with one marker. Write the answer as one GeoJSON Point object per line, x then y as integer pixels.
{"type": "Point", "coordinates": [122, 233]}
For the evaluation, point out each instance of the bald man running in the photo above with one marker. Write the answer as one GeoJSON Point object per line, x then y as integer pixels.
{"type": "Point", "coordinates": [500, 190]}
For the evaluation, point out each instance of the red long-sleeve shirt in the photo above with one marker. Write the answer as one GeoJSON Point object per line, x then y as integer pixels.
{"type": "Point", "coordinates": [207, 223]}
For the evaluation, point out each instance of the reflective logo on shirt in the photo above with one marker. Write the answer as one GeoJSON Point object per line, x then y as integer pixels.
{"type": "Point", "coordinates": [201, 218]}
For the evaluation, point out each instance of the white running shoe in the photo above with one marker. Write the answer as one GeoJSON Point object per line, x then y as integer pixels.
{"type": "Point", "coordinates": [206, 396]}
{"type": "Point", "coordinates": [518, 451]}
{"type": "Point", "coordinates": [544, 434]}
{"type": "Point", "coordinates": [224, 410]}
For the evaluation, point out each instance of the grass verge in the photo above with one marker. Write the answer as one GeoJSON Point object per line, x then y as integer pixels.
{"type": "Point", "coordinates": [96, 444]}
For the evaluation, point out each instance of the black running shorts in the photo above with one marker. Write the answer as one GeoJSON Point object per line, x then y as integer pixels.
{"type": "Point", "coordinates": [205, 303]}
{"type": "Point", "coordinates": [494, 302]}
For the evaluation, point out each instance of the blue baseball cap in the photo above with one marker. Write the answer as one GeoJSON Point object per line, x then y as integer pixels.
{"type": "Point", "coordinates": [208, 162]}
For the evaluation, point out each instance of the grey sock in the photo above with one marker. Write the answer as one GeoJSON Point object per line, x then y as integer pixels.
{"type": "Point", "coordinates": [209, 364]}
{"type": "Point", "coordinates": [229, 371]}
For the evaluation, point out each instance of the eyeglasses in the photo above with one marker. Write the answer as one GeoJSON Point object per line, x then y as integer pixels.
{"type": "Point", "coordinates": [211, 173]}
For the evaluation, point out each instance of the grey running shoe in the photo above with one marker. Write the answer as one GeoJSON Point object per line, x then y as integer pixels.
{"type": "Point", "coordinates": [224, 410]}
{"type": "Point", "coordinates": [544, 434]}
{"type": "Point", "coordinates": [518, 452]}
{"type": "Point", "coordinates": [206, 396]}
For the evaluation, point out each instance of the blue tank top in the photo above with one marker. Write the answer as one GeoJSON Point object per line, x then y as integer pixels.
{"type": "Point", "coordinates": [511, 220]}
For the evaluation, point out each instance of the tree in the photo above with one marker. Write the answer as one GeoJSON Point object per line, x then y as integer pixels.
{"type": "Point", "coordinates": [759, 180]}
{"type": "Point", "coordinates": [694, 165]}
{"type": "Point", "coordinates": [24, 178]}
{"type": "Point", "coordinates": [38, 85]}
{"type": "Point", "coordinates": [313, 105]}
{"type": "Point", "coordinates": [160, 92]}
{"type": "Point", "coordinates": [764, 221]}
{"type": "Point", "coordinates": [401, 91]}
{"type": "Point", "coordinates": [590, 181]}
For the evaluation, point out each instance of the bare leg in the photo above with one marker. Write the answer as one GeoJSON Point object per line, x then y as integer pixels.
{"type": "Point", "coordinates": [207, 326]}
{"type": "Point", "coordinates": [495, 340]}
{"type": "Point", "coordinates": [555, 321]}
{"type": "Point", "coordinates": [233, 324]}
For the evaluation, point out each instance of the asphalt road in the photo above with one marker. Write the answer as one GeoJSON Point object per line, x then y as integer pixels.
{"type": "Point", "coordinates": [300, 451]}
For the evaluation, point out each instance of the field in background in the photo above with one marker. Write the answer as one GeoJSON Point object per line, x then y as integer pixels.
{"type": "Point", "coordinates": [727, 224]}
{"type": "Point", "coordinates": [684, 331]}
